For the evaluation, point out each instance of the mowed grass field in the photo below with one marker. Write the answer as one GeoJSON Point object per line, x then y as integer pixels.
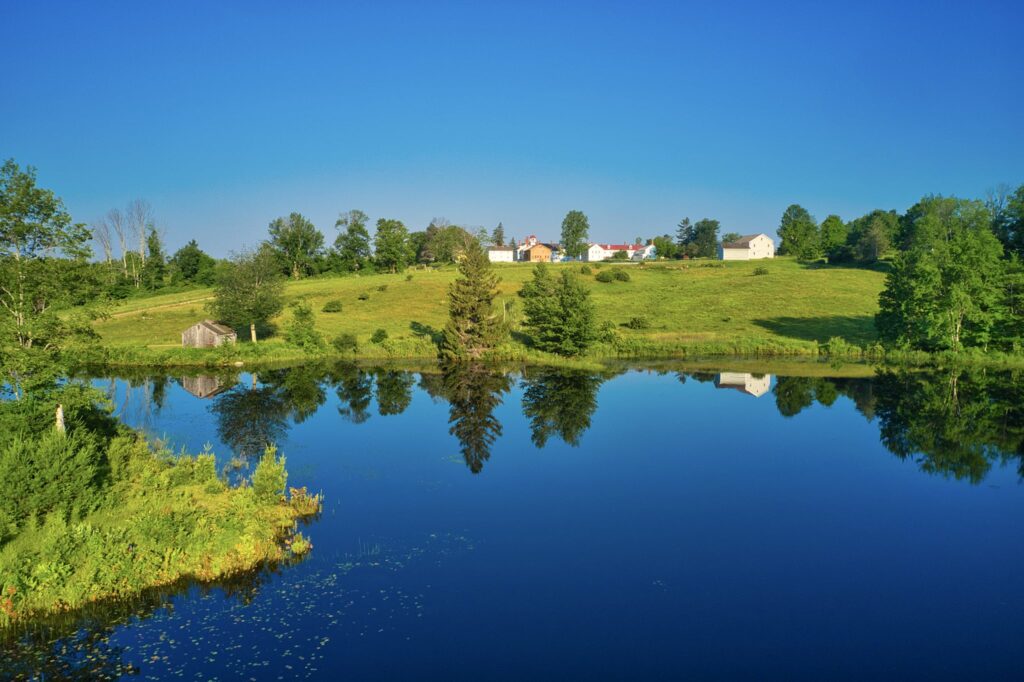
{"type": "Point", "coordinates": [686, 303]}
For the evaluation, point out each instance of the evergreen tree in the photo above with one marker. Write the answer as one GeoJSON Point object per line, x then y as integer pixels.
{"type": "Point", "coordinates": [499, 235]}
{"type": "Point", "coordinates": [472, 327]}
{"type": "Point", "coordinates": [684, 235]}
{"type": "Point", "coordinates": [559, 313]}
{"type": "Point", "coordinates": [391, 245]}
{"type": "Point", "coordinates": [799, 234]}
{"type": "Point", "coordinates": [302, 330]}
{"type": "Point", "coordinates": [155, 268]}
{"type": "Point", "coordinates": [352, 246]}
{"type": "Point", "coordinates": [575, 231]}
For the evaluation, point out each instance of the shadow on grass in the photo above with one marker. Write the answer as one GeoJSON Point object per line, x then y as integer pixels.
{"type": "Point", "coordinates": [420, 329]}
{"type": "Point", "coordinates": [859, 329]}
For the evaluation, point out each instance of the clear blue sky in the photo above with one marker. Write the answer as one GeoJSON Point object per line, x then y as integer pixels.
{"type": "Point", "coordinates": [225, 115]}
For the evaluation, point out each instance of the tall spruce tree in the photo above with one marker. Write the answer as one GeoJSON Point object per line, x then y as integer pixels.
{"type": "Point", "coordinates": [559, 313]}
{"type": "Point", "coordinates": [472, 327]}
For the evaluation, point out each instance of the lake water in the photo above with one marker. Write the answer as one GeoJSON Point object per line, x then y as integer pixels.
{"type": "Point", "coordinates": [630, 524]}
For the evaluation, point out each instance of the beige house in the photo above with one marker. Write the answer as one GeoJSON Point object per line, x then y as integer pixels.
{"type": "Point", "coordinates": [745, 382]}
{"type": "Point", "coordinates": [207, 334]}
{"type": "Point", "coordinates": [751, 247]}
{"type": "Point", "coordinates": [538, 253]}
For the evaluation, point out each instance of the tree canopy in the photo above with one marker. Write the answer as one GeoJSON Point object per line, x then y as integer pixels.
{"type": "Point", "coordinates": [575, 232]}
{"type": "Point", "coordinates": [391, 245]}
{"type": "Point", "coordinates": [472, 327]}
{"type": "Point", "coordinates": [799, 234]}
{"type": "Point", "coordinates": [297, 242]}
{"type": "Point", "coordinates": [351, 251]}
{"type": "Point", "coordinates": [249, 291]}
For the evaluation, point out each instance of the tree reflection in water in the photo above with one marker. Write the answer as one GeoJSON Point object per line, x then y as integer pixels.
{"type": "Point", "coordinates": [957, 423]}
{"type": "Point", "coordinates": [473, 392]}
{"type": "Point", "coordinates": [560, 403]}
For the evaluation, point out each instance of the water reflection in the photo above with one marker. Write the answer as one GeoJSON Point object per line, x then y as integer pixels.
{"type": "Point", "coordinates": [745, 382]}
{"type": "Point", "coordinates": [957, 423]}
{"type": "Point", "coordinates": [559, 403]}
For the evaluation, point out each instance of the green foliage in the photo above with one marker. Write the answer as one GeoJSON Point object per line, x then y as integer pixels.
{"type": "Point", "coordinates": [575, 231]}
{"type": "Point", "coordinates": [799, 234]}
{"type": "Point", "coordinates": [760, 271]}
{"type": "Point", "coordinates": [363, 296]}
{"type": "Point", "coordinates": [382, 288]}
{"type": "Point", "coordinates": [1008, 219]}
{"type": "Point", "coordinates": [943, 293]}
{"type": "Point", "coordinates": [620, 275]}
{"type": "Point", "coordinates": [559, 403]}
{"type": "Point", "coordinates": [605, 276]}
{"type": "Point", "coordinates": [498, 236]}
{"type": "Point", "coordinates": [351, 252]}
{"type": "Point", "coordinates": [301, 330]}
{"type": "Point", "coordinates": [249, 291]}
{"type": "Point", "coordinates": [191, 265]}
{"type": "Point", "coordinates": [391, 245]}
{"type": "Point", "coordinates": [705, 238]}
{"type": "Point", "coordinates": [379, 336]}
{"type": "Point", "coordinates": [332, 306]}
{"type": "Point", "coordinates": [833, 237]}
{"type": "Point", "coordinates": [442, 243]}
{"type": "Point", "coordinates": [345, 343]}
{"type": "Point", "coordinates": [729, 237]}
{"type": "Point", "coordinates": [665, 247]}
{"type": "Point", "coordinates": [270, 477]}
{"type": "Point", "coordinates": [638, 322]}
{"type": "Point", "coordinates": [472, 327]}
{"type": "Point", "coordinates": [620, 255]}
{"type": "Point", "coordinates": [559, 313]}
{"type": "Point", "coordinates": [154, 271]}
{"type": "Point", "coordinates": [297, 243]}
{"type": "Point", "coordinates": [585, 270]}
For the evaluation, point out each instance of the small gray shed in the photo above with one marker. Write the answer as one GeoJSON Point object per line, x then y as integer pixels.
{"type": "Point", "coordinates": [207, 334]}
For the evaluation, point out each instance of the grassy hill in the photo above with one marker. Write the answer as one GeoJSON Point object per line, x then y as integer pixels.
{"type": "Point", "coordinates": [693, 307]}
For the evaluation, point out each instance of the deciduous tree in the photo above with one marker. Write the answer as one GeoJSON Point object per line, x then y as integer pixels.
{"type": "Point", "coordinates": [575, 232]}
{"type": "Point", "coordinates": [297, 243]}
{"type": "Point", "coordinates": [249, 291]}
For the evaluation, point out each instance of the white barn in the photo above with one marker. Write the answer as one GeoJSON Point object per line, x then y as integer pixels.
{"type": "Point", "coordinates": [501, 254]}
{"type": "Point", "coordinates": [745, 382]}
{"type": "Point", "coordinates": [751, 247]}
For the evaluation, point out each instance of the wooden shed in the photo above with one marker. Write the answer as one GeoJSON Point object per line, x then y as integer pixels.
{"type": "Point", "coordinates": [207, 334]}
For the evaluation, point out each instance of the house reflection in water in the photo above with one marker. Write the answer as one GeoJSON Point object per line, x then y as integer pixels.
{"type": "Point", "coordinates": [203, 386]}
{"type": "Point", "coordinates": [751, 384]}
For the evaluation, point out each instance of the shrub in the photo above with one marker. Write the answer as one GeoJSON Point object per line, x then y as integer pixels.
{"type": "Point", "coordinates": [760, 270]}
{"type": "Point", "coordinates": [332, 306]}
{"type": "Point", "coordinates": [585, 270]}
{"type": "Point", "coordinates": [364, 296]}
{"type": "Point", "coordinates": [605, 276]}
{"type": "Point", "coordinates": [270, 477]}
{"type": "Point", "coordinates": [301, 329]}
{"type": "Point", "coordinates": [345, 342]}
{"type": "Point", "coordinates": [621, 275]}
{"type": "Point", "coordinates": [408, 278]}
{"type": "Point", "coordinates": [638, 322]}
{"type": "Point", "coordinates": [379, 336]}
{"type": "Point", "coordinates": [382, 287]}
{"type": "Point", "coordinates": [607, 333]}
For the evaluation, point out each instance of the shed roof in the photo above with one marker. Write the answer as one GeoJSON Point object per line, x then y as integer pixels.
{"type": "Point", "coordinates": [215, 327]}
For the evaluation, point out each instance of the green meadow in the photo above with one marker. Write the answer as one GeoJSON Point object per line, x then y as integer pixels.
{"type": "Point", "coordinates": [762, 307]}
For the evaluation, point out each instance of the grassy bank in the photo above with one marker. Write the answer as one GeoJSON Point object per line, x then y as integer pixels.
{"type": "Point", "coordinates": [86, 520]}
{"type": "Point", "coordinates": [768, 309]}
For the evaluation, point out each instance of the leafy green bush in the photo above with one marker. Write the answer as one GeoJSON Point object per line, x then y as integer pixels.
{"type": "Point", "coordinates": [301, 329]}
{"type": "Point", "coordinates": [332, 306]}
{"type": "Point", "coordinates": [363, 296]}
{"type": "Point", "coordinates": [585, 270]}
{"type": "Point", "coordinates": [621, 275]}
{"type": "Point", "coordinates": [345, 342]}
{"type": "Point", "coordinates": [408, 278]}
{"type": "Point", "coordinates": [760, 270]}
{"type": "Point", "coordinates": [379, 336]}
{"type": "Point", "coordinates": [605, 276]}
{"type": "Point", "coordinates": [382, 287]}
{"type": "Point", "coordinates": [638, 322]}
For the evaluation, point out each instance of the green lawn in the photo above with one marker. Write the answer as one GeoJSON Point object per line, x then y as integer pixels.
{"type": "Point", "coordinates": [694, 304]}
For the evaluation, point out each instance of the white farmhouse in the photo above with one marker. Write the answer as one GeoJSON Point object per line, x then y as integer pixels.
{"type": "Point", "coordinates": [501, 254]}
{"type": "Point", "coordinates": [599, 252]}
{"type": "Point", "coordinates": [645, 252]}
{"type": "Point", "coordinates": [751, 247]}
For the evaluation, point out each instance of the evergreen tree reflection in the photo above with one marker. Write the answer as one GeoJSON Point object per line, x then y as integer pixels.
{"type": "Point", "coordinates": [473, 392]}
{"type": "Point", "coordinates": [354, 388]}
{"type": "Point", "coordinates": [394, 391]}
{"type": "Point", "coordinates": [560, 403]}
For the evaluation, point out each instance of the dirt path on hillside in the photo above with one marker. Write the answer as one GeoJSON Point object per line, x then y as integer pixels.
{"type": "Point", "coordinates": [158, 307]}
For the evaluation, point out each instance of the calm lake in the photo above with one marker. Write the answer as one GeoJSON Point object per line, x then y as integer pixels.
{"type": "Point", "coordinates": [630, 524]}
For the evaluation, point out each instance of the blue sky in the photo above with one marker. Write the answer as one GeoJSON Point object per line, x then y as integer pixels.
{"type": "Point", "coordinates": [226, 115]}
